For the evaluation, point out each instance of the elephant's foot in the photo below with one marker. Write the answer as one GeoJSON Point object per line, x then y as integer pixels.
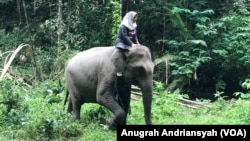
{"type": "Point", "coordinates": [111, 123]}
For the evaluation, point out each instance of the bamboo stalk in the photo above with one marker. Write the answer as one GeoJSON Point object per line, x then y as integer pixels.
{"type": "Point", "coordinates": [7, 65]}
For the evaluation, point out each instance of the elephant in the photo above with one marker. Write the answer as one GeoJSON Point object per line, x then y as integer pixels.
{"type": "Point", "coordinates": [90, 77]}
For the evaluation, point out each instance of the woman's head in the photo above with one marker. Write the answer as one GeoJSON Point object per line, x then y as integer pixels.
{"type": "Point", "coordinates": [129, 20]}
{"type": "Point", "coordinates": [135, 18]}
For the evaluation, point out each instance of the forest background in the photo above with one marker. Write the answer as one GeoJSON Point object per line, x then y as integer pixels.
{"type": "Point", "coordinates": [200, 48]}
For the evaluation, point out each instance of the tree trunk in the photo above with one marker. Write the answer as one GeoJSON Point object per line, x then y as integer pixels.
{"type": "Point", "coordinates": [167, 69]}
{"type": "Point", "coordinates": [60, 28]}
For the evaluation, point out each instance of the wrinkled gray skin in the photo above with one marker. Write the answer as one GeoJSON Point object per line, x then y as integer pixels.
{"type": "Point", "coordinates": [91, 78]}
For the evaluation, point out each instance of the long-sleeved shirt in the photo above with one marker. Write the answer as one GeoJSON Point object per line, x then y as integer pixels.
{"type": "Point", "coordinates": [125, 37]}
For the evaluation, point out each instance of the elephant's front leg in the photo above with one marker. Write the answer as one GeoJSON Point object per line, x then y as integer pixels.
{"type": "Point", "coordinates": [105, 97]}
{"type": "Point", "coordinates": [124, 95]}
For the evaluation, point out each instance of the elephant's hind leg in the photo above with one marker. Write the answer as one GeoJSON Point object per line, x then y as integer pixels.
{"type": "Point", "coordinates": [77, 109]}
{"type": "Point", "coordinates": [74, 103]}
{"type": "Point", "coordinates": [70, 107]}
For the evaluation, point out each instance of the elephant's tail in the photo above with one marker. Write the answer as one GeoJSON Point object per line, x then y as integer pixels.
{"type": "Point", "coordinates": [66, 97]}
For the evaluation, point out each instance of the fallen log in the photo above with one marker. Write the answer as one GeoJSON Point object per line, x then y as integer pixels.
{"type": "Point", "coordinates": [185, 102]}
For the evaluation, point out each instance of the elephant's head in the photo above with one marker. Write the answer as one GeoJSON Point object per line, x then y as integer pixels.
{"type": "Point", "coordinates": [139, 71]}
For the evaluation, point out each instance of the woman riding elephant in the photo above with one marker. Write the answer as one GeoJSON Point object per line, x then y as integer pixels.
{"type": "Point", "coordinates": [91, 79]}
{"type": "Point", "coordinates": [126, 38]}
{"type": "Point", "coordinates": [91, 75]}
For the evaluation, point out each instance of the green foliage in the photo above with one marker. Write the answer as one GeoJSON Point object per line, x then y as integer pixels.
{"type": "Point", "coordinates": [239, 111]}
{"type": "Point", "coordinates": [189, 54]}
{"type": "Point", "coordinates": [51, 91]}
{"type": "Point", "coordinates": [241, 6]}
{"type": "Point", "coordinates": [161, 101]}
{"type": "Point", "coordinates": [38, 113]}
{"type": "Point", "coordinates": [167, 110]}
{"type": "Point", "coordinates": [176, 19]}
{"type": "Point", "coordinates": [245, 85]}
{"type": "Point", "coordinates": [116, 19]}
{"type": "Point", "coordinates": [189, 31]}
{"type": "Point", "coordinates": [230, 49]}
{"type": "Point", "coordinates": [158, 86]}
{"type": "Point", "coordinates": [192, 55]}
{"type": "Point", "coordinates": [51, 123]}
{"type": "Point", "coordinates": [12, 107]}
{"type": "Point", "coordinates": [234, 40]}
{"type": "Point", "coordinates": [216, 48]}
{"type": "Point", "coordinates": [36, 118]}
{"type": "Point", "coordinates": [96, 29]}
{"type": "Point", "coordinates": [5, 1]}
{"type": "Point", "coordinates": [52, 87]}
{"type": "Point", "coordinates": [205, 50]}
{"type": "Point", "coordinates": [33, 116]}
{"type": "Point", "coordinates": [7, 41]}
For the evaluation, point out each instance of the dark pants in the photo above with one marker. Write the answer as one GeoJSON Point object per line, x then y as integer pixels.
{"type": "Point", "coordinates": [120, 59]}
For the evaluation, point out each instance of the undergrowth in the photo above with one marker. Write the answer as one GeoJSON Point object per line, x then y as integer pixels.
{"type": "Point", "coordinates": [37, 113]}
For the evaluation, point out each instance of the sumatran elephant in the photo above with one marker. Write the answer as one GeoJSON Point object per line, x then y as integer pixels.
{"type": "Point", "coordinates": [91, 78]}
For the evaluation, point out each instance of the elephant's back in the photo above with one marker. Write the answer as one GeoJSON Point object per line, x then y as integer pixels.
{"type": "Point", "coordinates": [92, 54]}
{"type": "Point", "coordinates": [88, 62]}
{"type": "Point", "coordinates": [99, 50]}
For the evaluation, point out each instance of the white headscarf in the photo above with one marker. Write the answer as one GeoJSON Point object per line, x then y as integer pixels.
{"type": "Point", "coordinates": [128, 20]}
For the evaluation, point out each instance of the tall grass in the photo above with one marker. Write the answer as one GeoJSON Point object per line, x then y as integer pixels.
{"type": "Point", "coordinates": [37, 113]}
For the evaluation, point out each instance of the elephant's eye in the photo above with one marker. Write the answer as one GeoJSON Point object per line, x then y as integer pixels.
{"type": "Point", "coordinates": [139, 56]}
{"type": "Point", "coordinates": [140, 70]}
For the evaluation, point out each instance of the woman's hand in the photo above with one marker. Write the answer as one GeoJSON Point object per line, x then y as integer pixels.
{"type": "Point", "coordinates": [136, 45]}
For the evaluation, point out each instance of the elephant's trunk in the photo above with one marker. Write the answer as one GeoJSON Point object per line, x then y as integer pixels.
{"type": "Point", "coordinates": [146, 88]}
